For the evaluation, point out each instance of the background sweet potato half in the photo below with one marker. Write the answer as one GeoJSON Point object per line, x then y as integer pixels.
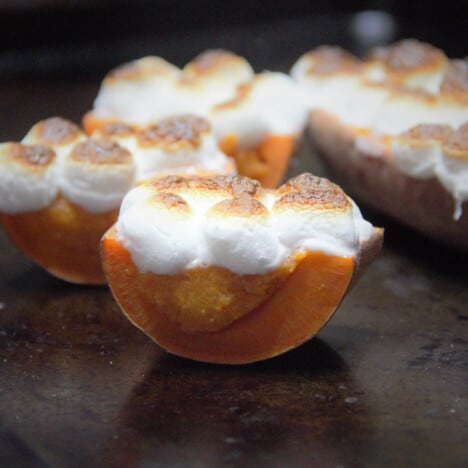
{"type": "Point", "coordinates": [422, 204]}
{"type": "Point", "coordinates": [294, 312]}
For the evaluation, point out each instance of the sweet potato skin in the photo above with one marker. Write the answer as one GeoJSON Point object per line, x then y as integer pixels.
{"type": "Point", "coordinates": [295, 312]}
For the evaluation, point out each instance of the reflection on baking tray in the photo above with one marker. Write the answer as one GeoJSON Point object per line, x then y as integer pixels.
{"type": "Point", "coordinates": [285, 407]}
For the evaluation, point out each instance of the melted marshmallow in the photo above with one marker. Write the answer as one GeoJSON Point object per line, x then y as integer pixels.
{"type": "Point", "coordinates": [397, 89]}
{"type": "Point", "coordinates": [205, 226]}
{"type": "Point", "coordinates": [269, 104]}
{"type": "Point", "coordinates": [219, 86]}
{"type": "Point", "coordinates": [183, 144]}
{"type": "Point", "coordinates": [59, 134]}
{"type": "Point", "coordinates": [194, 90]}
{"type": "Point", "coordinates": [422, 153]}
{"type": "Point", "coordinates": [96, 175]}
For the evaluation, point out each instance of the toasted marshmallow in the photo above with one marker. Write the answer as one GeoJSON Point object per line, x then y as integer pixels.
{"type": "Point", "coordinates": [27, 177]}
{"type": "Point", "coordinates": [326, 62]}
{"type": "Point", "coordinates": [204, 192]}
{"type": "Point", "coordinates": [159, 232]}
{"type": "Point", "coordinates": [414, 64]}
{"type": "Point", "coordinates": [328, 76]}
{"type": "Point", "coordinates": [141, 70]}
{"type": "Point", "coordinates": [401, 112]}
{"type": "Point", "coordinates": [96, 175]}
{"type": "Point", "coordinates": [240, 237]}
{"type": "Point", "coordinates": [428, 151]}
{"type": "Point", "coordinates": [455, 82]}
{"type": "Point", "coordinates": [183, 144]}
{"type": "Point", "coordinates": [149, 89]}
{"type": "Point", "coordinates": [314, 215]}
{"type": "Point", "coordinates": [395, 89]}
{"type": "Point", "coordinates": [135, 90]}
{"type": "Point", "coordinates": [453, 172]}
{"type": "Point", "coordinates": [172, 224]}
{"type": "Point", "coordinates": [59, 134]}
{"type": "Point", "coordinates": [271, 103]}
{"type": "Point", "coordinates": [404, 94]}
{"type": "Point", "coordinates": [216, 85]}
{"type": "Point", "coordinates": [124, 134]}
{"type": "Point", "coordinates": [417, 152]}
{"type": "Point", "coordinates": [332, 80]}
{"type": "Point", "coordinates": [180, 144]}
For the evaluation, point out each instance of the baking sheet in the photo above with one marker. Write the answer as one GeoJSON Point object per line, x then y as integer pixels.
{"type": "Point", "coordinates": [383, 384]}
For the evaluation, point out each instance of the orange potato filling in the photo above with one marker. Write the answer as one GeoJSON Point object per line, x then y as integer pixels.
{"type": "Point", "coordinates": [261, 317]}
{"type": "Point", "coordinates": [267, 163]}
{"type": "Point", "coordinates": [91, 123]}
{"type": "Point", "coordinates": [62, 238]}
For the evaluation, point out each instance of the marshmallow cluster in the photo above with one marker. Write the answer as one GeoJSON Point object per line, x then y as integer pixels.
{"type": "Point", "coordinates": [409, 94]}
{"type": "Point", "coordinates": [396, 88]}
{"type": "Point", "coordinates": [183, 144]}
{"type": "Point", "coordinates": [56, 158]}
{"type": "Point", "coordinates": [427, 151]}
{"type": "Point", "coordinates": [217, 85]}
{"type": "Point", "coordinates": [171, 224]}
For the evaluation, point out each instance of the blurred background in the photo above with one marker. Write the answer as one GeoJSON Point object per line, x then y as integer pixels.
{"type": "Point", "coordinates": [88, 36]}
{"type": "Point", "coordinates": [77, 41]}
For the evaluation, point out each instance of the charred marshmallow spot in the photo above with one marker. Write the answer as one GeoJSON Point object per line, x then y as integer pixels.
{"type": "Point", "coordinates": [57, 133]}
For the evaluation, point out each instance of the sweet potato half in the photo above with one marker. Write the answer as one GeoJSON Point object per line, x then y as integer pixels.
{"type": "Point", "coordinates": [63, 239]}
{"type": "Point", "coordinates": [422, 204]}
{"type": "Point", "coordinates": [292, 307]}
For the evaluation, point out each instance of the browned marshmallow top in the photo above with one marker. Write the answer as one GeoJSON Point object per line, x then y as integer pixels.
{"type": "Point", "coordinates": [98, 152]}
{"type": "Point", "coordinates": [407, 56]}
{"type": "Point", "coordinates": [456, 145]}
{"type": "Point", "coordinates": [173, 130]}
{"type": "Point", "coordinates": [33, 157]}
{"type": "Point", "coordinates": [55, 131]}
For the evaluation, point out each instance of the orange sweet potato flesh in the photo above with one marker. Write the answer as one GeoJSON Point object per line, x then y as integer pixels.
{"type": "Point", "coordinates": [63, 239]}
{"type": "Point", "coordinates": [91, 123]}
{"type": "Point", "coordinates": [267, 163]}
{"type": "Point", "coordinates": [295, 311]}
